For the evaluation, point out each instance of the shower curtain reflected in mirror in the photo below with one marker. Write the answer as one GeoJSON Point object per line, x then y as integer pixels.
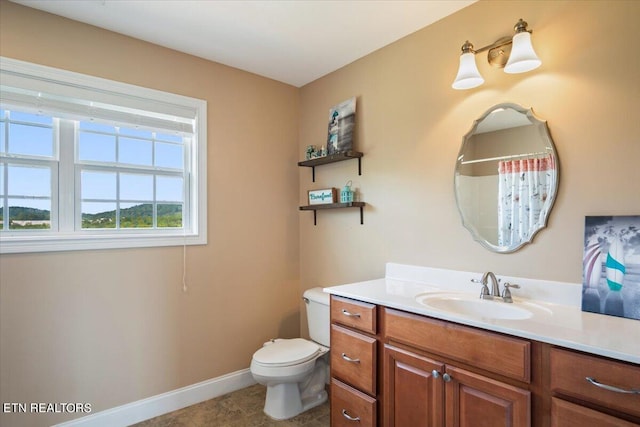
{"type": "Point", "coordinates": [523, 188]}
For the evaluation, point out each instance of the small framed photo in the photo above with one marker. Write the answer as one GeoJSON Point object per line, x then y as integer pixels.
{"type": "Point", "coordinates": [323, 197]}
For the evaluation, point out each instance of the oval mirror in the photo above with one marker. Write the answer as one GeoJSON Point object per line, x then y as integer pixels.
{"type": "Point", "coordinates": [506, 177]}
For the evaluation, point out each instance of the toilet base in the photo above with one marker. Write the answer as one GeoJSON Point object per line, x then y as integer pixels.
{"type": "Point", "coordinates": [286, 400]}
{"type": "Point", "coordinates": [283, 401]}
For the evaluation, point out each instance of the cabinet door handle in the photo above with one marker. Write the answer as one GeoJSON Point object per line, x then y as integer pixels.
{"type": "Point", "coordinates": [445, 377]}
{"type": "Point", "coordinates": [611, 388]}
{"type": "Point", "coordinates": [349, 417]}
{"type": "Point", "coordinates": [346, 313]}
{"type": "Point", "coordinates": [348, 359]}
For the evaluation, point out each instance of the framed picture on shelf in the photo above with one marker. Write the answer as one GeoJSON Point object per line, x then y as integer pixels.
{"type": "Point", "coordinates": [342, 120]}
{"type": "Point", "coordinates": [323, 197]}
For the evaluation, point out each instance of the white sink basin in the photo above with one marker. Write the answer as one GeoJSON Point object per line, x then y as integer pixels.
{"type": "Point", "coordinates": [466, 305]}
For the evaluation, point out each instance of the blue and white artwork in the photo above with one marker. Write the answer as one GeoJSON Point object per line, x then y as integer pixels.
{"type": "Point", "coordinates": [342, 120]}
{"type": "Point", "coordinates": [611, 266]}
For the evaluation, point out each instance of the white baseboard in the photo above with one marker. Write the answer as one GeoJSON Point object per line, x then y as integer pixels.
{"type": "Point", "coordinates": [145, 409]}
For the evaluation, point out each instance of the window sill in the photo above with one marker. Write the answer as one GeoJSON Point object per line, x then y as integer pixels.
{"type": "Point", "coordinates": [28, 244]}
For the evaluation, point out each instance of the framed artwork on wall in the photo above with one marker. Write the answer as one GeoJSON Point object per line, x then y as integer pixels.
{"type": "Point", "coordinates": [611, 266]}
{"type": "Point", "coordinates": [342, 120]}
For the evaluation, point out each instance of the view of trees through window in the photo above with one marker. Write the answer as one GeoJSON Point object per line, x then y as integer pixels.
{"type": "Point", "coordinates": [125, 177]}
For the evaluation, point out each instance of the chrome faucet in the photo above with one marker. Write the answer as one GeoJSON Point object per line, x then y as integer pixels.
{"type": "Point", "coordinates": [495, 288]}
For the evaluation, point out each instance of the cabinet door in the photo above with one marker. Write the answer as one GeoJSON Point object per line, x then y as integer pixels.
{"type": "Point", "coordinates": [473, 400]}
{"type": "Point", "coordinates": [412, 395]}
{"type": "Point", "coordinates": [565, 414]}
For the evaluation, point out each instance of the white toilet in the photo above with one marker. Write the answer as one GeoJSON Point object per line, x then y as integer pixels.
{"type": "Point", "coordinates": [296, 370]}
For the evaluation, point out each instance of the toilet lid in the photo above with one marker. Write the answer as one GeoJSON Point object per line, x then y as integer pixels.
{"type": "Point", "coordinates": [286, 352]}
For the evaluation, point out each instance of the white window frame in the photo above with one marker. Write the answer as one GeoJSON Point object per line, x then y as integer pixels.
{"type": "Point", "coordinates": [125, 95]}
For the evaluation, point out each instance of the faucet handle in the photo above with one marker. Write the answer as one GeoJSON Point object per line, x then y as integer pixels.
{"type": "Point", "coordinates": [484, 292]}
{"type": "Point", "coordinates": [506, 293]}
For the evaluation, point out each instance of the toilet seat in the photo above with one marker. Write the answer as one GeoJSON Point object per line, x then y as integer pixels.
{"type": "Point", "coordinates": [287, 352]}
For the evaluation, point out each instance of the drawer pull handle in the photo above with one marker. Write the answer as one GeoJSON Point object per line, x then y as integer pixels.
{"type": "Point", "coordinates": [435, 374]}
{"type": "Point", "coordinates": [346, 313]}
{"type": "Point", "coordinates": [349, 417]}
{"type": "Point", "coordinates": [610, 387]}
{"type": "Point", "coordinates": [446, 378]}
{"type": "Point", "coordinates": [348, 359]}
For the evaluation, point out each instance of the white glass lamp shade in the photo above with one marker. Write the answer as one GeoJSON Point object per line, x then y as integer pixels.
{"type": "Point", "coordinates": [468, 75]}
{"type": "Point", "coordinates": [523, 58]}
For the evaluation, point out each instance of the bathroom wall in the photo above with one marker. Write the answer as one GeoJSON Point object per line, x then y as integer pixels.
{"type": "Point", "coordinates": [111, 327]}
{"type": "Point", "coordinates": [410, 125]}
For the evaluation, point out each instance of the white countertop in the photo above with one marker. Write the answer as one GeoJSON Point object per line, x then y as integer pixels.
{"type": "Point", "coordinates": [562, 322]}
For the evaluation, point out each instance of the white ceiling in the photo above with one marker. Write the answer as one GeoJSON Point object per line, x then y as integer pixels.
{"type": "Point", "coordinates": [293, 41]}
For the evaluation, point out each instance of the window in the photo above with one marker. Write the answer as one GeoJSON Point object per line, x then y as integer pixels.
{"type": "Point", "coordinates": [88, 163]}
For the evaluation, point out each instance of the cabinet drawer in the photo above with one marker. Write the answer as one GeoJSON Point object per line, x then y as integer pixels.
{"type": "Point", "coordinates": [355, 314]}
{"type": "Point", "coordinates": [353, 358]}
{"type": "Point", "coordinates": [565, 414]}
{"type": "Point", "coordinates": [486, 350]}
{"type": "Point", "coordinates": [349, 407]}
{"type": "Point", "coordinates": [569, 371]}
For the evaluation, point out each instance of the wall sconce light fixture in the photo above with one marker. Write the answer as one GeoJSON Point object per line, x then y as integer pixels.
{"type": "Point", "coordinates": [515, 55]}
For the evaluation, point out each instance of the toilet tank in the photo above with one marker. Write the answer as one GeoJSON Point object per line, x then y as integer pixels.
{"type": "Point", "coordinates": [317, 303]}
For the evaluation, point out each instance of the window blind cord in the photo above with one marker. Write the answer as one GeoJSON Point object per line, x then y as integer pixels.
{"type": "Point", "coordinates": [184, 264]}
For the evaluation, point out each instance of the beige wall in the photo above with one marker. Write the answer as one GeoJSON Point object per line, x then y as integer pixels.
{"type": "Point", "coordinates": [410, 125]}
{"type": "Point", "coordinates": [111, 327]}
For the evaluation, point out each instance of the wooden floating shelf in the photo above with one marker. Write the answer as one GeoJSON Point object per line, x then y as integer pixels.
{"type": "Point", "coordinates": [338, 157]}
{"type": "Point", "coordinates": [315, 208]}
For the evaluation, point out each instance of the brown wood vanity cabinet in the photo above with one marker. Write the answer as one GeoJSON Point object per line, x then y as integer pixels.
{"type": "Point", "coordinates": [391, 368]}
{"type": "Point", "coordinates": [591, 391]}
{"type": "Point", "coordinates": [354, 363]}
{"type": "Point", "coordinates": [442, 374]}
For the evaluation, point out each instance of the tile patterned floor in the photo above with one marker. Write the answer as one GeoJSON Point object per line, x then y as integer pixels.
{"type": "Point", "coordinates": [242, 408]}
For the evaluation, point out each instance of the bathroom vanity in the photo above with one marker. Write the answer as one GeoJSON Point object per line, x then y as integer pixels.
{"type": "Point", "coordinates": [398, 361]}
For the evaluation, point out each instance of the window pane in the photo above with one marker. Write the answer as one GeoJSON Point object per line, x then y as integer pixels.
{"type": "Point", "coordinates": [32, 118]}
{"type": "Point", "coordinates": [136, 187]}
{"type": "Point", "coordinates": [97, 127]}
{"type": "Point", "coordinates": [27, 214]}
{"type": "Point", "coordinates": [169, 215]}
{"type": "Point", "coordinates": [136, 132]}
{"type": "Point", "coordinates": [98, 185]}
{"type": "Point", "coordinates": [3, 147]}
{"type": "Point", "coordinates": [33, 181]}
{"type": "Point", "coordinates": [98, 215]}
{"type": "Point", "coordinates": [169, 189]}
{"type": "Point", "coordinates": [136, 215]}
{"type": "Point", "coordinates": [135, 151]}
{"type": "Point", "coordinates": [169, 155]}
{"type": "Point", "coordinates": [30, 140]}
{"type": "Point", "coordinates": [170, 138]}
{"type": "Point", "coordinates": [1, 182]}
{"type": "Point", "coordinates": [97, 147]}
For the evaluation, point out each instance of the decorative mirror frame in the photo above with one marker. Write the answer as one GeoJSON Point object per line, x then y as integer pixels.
{"type": "Point", "coordinates": [544, 129]}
